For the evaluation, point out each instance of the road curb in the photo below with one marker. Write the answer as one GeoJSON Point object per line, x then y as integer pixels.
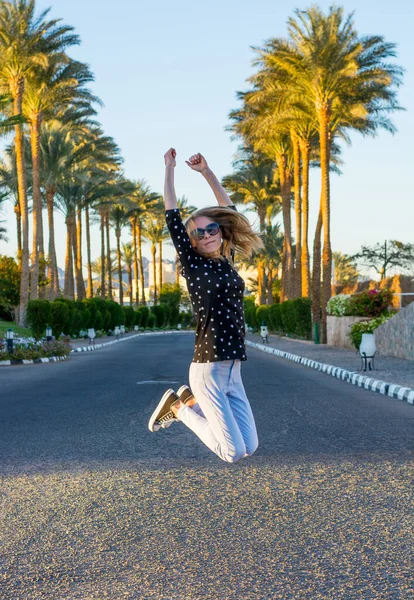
{"type": "Point", "coordinates": [8, 363]}
{"type": "Point", "coordinates": [130, 337]}
{"type": "Point", "coordinates": [393, 390]}
{"type": "Point", "coordinates": [35, 361]}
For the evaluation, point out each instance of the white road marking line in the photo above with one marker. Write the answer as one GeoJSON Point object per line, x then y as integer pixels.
{"type": "Point", "coordinates": [152, 381]}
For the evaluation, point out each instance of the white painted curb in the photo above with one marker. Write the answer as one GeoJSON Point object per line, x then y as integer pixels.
{"type": "Point", "coordinates": [369, 383]}
{"type": "Point", "coordinates": [122, 339]}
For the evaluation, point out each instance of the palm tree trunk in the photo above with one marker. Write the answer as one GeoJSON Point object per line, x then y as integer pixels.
{"type": "Point", "coordinates": [37, 242]}
{"type": "Point", "coordinates": [285, 186]}
{"type": "Point", "coordinates": [19, 229]}
{"type": "Point", "coordinates": [269, 285]}
{"type": "Point", "coordinates": [297, 287]}
{"type": "Point", "coordinates": [89, 293]}
{"type": "Point", "coordinates": [261, 285]}
{"type": "Point", "coordinates": [69, 290]}
{"type": "Point", "coordinates": [154, 270]}
{"type": "Point", "coordinates": [118, 255]}
{"type": "Point", "coordinates": [17, 93]}
{"type": "Point", "coordinates": [103, 290]}
{"type": "Point", "coordinates": [133, 221]}
{"type": "Point", "coordinates": [80, 284]}
{"type": "Point", "coordinates": [141, 262]}
{"type": "Point", "coordinates": [160, 263]}
{"type": "Point", "coordinates": [108, 256]}
{"type": "Point", "coordinates": [316, 274]}
{"type": "Point", "coordinates": [305, 152]}
{"type": "Point", "coordinates": [53, 291]}
{"type": "Point", "coordinates": [75, 256]}
{"type": "Point", "coordinates": [325, 203]}
{"type": "Point", "coordinates": [130, 284]}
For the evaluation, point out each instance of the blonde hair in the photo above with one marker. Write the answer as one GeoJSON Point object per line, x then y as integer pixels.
{"type": "Point", "coordinates": [236, 230]}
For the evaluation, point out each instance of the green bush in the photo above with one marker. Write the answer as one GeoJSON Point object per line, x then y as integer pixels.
{"type": "Point", "coordinates": [129, 316]}
{"type": "Point", "coordinates": [371, 303]}
{"type": "Point", "coordinates": [98, 320]}
{"type": "Point", "coordinates": [39, 316]}
{"type": "Point", "coordinates": [302, 308]}
{"type": "Point", "coordinates": [91, 308]}
{"type": "Point", "coordinates": [288, 316]}
{"type": "Point", "coordinates": [151, 321]}
{"type": "Point", "coordinates": [137, 317]}
{"type": "Point", "coordinates": [275, 316]}
{"type": "Point", "coordinates": [262, 314]}
{"type": "Point", "coordinates": [60, 317]}
{"type": "Point", "coordinates": [144, 311]}
{"type": "Point", "coordinates": [77, 322]}
{"type": "Point", "coordinates": [185, 318]}
{"type": "Point", "coordinates": [159, 311]}
{"type": "Point", "coordinates": [250, 313]}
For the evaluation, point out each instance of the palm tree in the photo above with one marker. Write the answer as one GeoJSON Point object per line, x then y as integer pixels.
{"type": "Point", "coordinates": [26, 42]}
{"type": "Point", "coordinates": [253, 184]}
{"type": "Point", "coordinates": [273, 241]}
{"type": "Point", "coordinates": [118, 218]}
{"type": "Point", "coordinates": [345, 80]}
{"type": "Point", "coordinates": [141, 201]}
{"type": "Point", "coordinates": [186, 210]}
{"type": "Point", "coordinates": [127, 256]}
{"type": "Point", "coordinates": [152, 232]}
{"type": "Point", "coordinates": [345, 269]}
{"type": "Point", "coordinates": [47, 90]}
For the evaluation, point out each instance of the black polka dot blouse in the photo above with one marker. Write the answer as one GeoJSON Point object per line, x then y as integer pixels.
{"type": "Point", "coordinates": [216, 293]}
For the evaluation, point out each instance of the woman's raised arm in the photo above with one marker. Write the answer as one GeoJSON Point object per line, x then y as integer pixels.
{"type": "Point", "coordinates": [170, 199]}
{"type": "Point", "coordinates": [197, 162]}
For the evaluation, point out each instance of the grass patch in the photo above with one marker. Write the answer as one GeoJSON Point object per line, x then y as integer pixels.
{"type": "Point", "coordinates": [21, 331]}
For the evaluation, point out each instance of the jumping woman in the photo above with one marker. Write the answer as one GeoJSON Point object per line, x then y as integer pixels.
{"type": "Point", "coordinates": [216, 408]}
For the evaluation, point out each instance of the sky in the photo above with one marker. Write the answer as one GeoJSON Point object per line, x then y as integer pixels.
{"type": "Point", "coordinates": [168, 73]}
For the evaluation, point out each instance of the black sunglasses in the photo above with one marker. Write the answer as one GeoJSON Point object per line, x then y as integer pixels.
{"type": "Point", "coordinates": [212, 229]}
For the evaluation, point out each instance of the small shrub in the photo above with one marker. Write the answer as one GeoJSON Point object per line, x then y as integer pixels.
{"type": "Point", "coordinates": [129, 316]}
{"type": "Point", "coordinates": [160, 314]}
{"type": "Point", "coordinates": [151, 321]}
{"type": "Point", "coordinates": [357, 329]}
{"type": "Point", "coordinates": [371, 303]}
{"type": "Point", "coordinates": [288, 316]}
{"type": "Point", "coordinates": [275, 316]}
{"type": "Point", "coordinates": [339, 306]}
{"type": "Point", "coordinates": [302, 308]}
{"type": "Point", "coordinates": [144, 311]}
{"type": "Point", "coordinates": [60, 317]}
{"type": "Point", "coordinates": [262, 315]}
{"type": "Point", "coordinates": [39, 316]}
{"type": "Point", "coordinates": [137, 317]}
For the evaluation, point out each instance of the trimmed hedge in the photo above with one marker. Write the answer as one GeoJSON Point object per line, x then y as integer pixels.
{"type": "Point", "coordinates": [292, 317]}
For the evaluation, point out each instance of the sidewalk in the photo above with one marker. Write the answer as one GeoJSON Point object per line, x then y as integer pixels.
{"type": "Point", "coordinates": [389, 369]}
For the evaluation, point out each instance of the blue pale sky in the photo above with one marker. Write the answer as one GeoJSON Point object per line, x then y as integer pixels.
{"type": "Point", "coordinates": [168, 73]}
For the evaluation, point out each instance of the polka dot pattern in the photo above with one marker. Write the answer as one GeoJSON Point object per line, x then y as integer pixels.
{"type": "Point", "coordinates": [216, 293]}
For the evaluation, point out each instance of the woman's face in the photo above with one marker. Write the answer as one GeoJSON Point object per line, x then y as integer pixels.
{"type": "Point", "coordinates": [209, 245]}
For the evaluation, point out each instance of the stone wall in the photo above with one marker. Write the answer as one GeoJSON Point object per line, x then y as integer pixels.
{"type": "Point", "coordinates": [338, 329]}
{"type": "Point", "coordinates": [396, 336]}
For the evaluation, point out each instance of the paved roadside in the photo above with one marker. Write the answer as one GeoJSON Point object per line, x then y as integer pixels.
{"type": "Point", "coordinates": [396, 371]}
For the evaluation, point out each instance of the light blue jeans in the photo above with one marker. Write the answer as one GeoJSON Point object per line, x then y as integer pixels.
{"type": "Point", "coordinates": [222, 417]}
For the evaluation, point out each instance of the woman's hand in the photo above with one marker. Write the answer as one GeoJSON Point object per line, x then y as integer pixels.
{"type": "Point", "coordinates": [169, 157]}
{"type": "Point", "coordinates": [197, 162]}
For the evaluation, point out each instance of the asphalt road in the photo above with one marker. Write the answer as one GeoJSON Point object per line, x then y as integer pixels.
{"type": "Point", "coordinates": [95, 506]}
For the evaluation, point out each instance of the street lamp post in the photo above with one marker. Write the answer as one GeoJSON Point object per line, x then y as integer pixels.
{"type": "Point", "coordinates": [9, 338]}
{"type": "Point", "coordinates": [48, 333]}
